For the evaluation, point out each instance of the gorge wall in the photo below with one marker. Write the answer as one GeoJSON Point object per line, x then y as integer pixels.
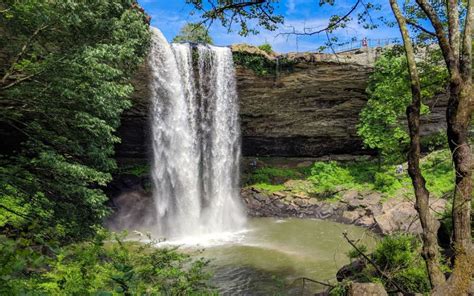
{"type": "Point", "coordinates": [309, 109]}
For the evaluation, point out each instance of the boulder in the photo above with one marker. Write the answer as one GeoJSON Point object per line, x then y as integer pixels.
{"type": "Point", "coordinates": [400, 216]}
{"type": "Point", "coordinates": [349, 270]}
{"type": "Point", "coordinates": [366, 289]}
{"type": "Point", "coordinates": [350, 216]}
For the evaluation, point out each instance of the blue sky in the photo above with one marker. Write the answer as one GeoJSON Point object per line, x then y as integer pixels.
{"type": "Point", "coordinates": [170, 15]}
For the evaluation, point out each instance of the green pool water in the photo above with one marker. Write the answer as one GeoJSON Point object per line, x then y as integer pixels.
{"type": "Point", "coordinates": [272, 256]}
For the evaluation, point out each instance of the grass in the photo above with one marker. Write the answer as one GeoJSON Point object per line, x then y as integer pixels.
{"type": "Point", "coordinates": [269, 187]}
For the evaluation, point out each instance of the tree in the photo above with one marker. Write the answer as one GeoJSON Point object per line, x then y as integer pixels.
{"type": "Point", "coordinates": [64, 80]}
{"type": "Point", "coordinates": [193, 33]}
{"type": "Point", "coordinates": [383, 119]}
{"type": "Point", "coordinates": [452, 22]}
{"type": "Point", "coordinates": [456, 47]}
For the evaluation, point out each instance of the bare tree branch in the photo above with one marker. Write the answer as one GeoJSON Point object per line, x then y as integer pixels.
{"type": "Point", "coordinates": [22, 52]}
{"type": "Point", "coordinates": [439, 29]}
{"type": "Point", "coordinates": [368, 259]}
{"type": "Point", "coordinates": [329, 26]}
{"type": "Point", "coordinates": [420, 27]}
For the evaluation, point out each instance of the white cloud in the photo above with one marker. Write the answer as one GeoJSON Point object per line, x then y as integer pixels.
{"type": "Point", "coordinates": [290, 6]}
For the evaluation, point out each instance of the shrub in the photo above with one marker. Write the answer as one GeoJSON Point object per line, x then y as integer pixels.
{"type": "Point", "coordinates": [399, 256]}
{"type": "Point", "coordinates": [105, 266]}
{"type": "Point", "coordinates": [397, 251]}
{"type": "Point", "coordinates": [326, 176]}
{"type": "Point", "coordinates": [266, 47]}
{"type": "Point", "coordinates": [387, 183]}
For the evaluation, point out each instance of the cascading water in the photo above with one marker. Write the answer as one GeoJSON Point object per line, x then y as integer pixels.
{"type": "Point", "coordinates": [195, 136]}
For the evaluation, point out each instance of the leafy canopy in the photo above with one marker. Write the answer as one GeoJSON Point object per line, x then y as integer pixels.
{"type": "Point", "coordinates": [105, 265]}
{"type": "Point", "coordinates": [65, 69]}
{"type": "Point", "coordinates": [196, 33]}
{"type": "Point", "coordinates": [382, 122]}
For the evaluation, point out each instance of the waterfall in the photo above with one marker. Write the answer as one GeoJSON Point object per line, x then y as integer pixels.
{"type": "Point", "coordinates": [195, 139]}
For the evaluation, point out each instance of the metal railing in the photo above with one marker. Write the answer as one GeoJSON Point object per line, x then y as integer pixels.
{"type": "Point", "coordinates": [366, 42]}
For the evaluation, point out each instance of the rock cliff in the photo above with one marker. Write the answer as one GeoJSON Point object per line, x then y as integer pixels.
{"type": "Point", "coordinates": [309, 109]}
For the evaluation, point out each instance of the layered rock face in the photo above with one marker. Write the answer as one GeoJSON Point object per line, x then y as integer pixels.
{"type": "Point", "coordinates": [311, 110]}
{"type": "Point", "coordinates": [308, 110]}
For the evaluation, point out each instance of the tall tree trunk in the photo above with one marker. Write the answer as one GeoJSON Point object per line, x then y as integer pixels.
{"type": "Point", "coordinates": [458, 119]}
{"type": "Point", "coordinates": [430, 242]}
{"type": "Point", "coordinates": [458, 116]}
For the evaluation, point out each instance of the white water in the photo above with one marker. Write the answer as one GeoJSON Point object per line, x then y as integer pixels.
{"type": "Point", "coordinates": [195, 138]}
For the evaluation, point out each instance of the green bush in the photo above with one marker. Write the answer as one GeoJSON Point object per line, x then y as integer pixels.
{"type": "Point", "coordinates": [103, 266]}
{"type": "Point", "coordinates": [387, 183]}
{"type": "Point", "coordinates": [260, 64]}
{"type": "Point", "coordinates": [399, 255]}
{"type": "Point", "coordinates": [328, 176]}
{"type": "Point", "coordinates": [397, 251]}
{"type": "Point", "coordinates": [438, 171]}
{"type": "Point", "coordinates": [266, 47]}
{"type": "Point", "coordinates": [340, 289]}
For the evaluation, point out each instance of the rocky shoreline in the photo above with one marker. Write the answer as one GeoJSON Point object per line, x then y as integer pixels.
{"type": "Point", "coordinates": [131, 197]}
{"type": "Point", "coordinates": [366, 209]}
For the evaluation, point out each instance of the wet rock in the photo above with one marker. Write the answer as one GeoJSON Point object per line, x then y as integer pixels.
{"type": "Point", "coordinates": [279, 194]}
{"type": "Point", "coordinates": [350, 216]}
{"type": "Point", "coordinates": [301, 203]}
{"type": "Point", "coordinates": [366, 221]}
{"type": "Point", "coordinates": [362, 209]}
{"type": "Point", "coordinates": [366, 289]}
{"type": "Point", "coordinates": [350, 270]}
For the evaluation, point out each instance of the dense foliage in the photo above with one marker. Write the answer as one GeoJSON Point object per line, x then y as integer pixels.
{"type": "Point", "coordinates": [103, 266]}
{"type": "Point", "coordinates": [399, 257]}
{"type": "Point", "coordinates": [266, 47]}
{"type": "Point", "coordinates": [262, 65]}
{"type": "Point", "coordinates": [328, 179]}
{"type": "Point", "coordinates": [196, 33]}
{"type": "Point", "coordinates": [383, 120]}
{"type": "Point", "coordinates": [66, 67]}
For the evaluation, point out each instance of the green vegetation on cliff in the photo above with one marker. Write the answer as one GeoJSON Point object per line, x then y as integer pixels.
{"type": "Point", "coordinates": [260, 64]}
{"type": "Point", "coordinates": [328, 179]}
